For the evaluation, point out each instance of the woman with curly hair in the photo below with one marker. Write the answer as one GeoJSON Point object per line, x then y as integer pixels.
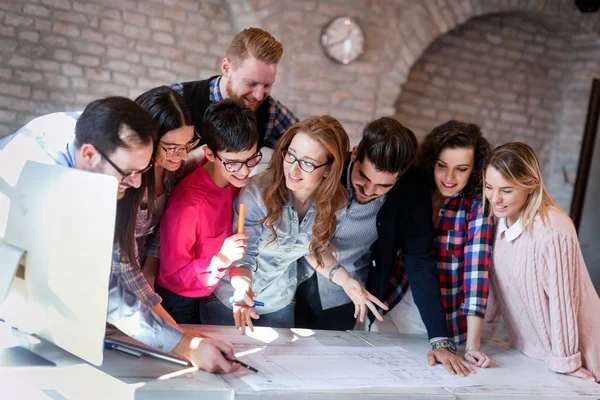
{"type": "Point", "coordinates": [290, 212]}
{"type": "Point", "coordinates": [452, 155]}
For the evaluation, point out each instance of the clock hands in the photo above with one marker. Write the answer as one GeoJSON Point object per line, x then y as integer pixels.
{"type": "Point", "coordinates": [339, 41]}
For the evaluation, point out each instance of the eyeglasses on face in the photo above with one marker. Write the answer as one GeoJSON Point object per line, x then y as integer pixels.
{"type": "Point", "coordinates": [129, 176]}
{"type": "Point", "coordinates": [304, 165]}
{"type": "Point", "coordinates": [235, 166]}
{"type": "Point", "coordinates": [177, 151]}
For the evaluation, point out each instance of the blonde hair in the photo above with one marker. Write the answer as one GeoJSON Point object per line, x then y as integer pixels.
{"type": "Point", "coordinates": [517, 163]}
{"type": "Point", "coordinates": [256, 43]}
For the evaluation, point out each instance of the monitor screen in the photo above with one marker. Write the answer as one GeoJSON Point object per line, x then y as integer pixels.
{"type": "Point", "coordinates": [63, 219]}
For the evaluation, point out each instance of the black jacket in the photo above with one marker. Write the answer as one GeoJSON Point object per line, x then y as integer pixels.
{"type": "Point", "coordinates": [197, 97]}
{"type": "Point", "coordinates": [404, 223]}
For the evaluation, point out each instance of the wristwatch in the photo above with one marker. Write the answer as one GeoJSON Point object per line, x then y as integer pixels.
{"type": "Point", "coordinates": [444, 344]}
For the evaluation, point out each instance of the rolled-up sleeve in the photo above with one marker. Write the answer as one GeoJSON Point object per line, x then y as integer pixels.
{"type": "Point", "coordinates": [255, 212]}
{"type": "Point", "coordinates": [137, 320]}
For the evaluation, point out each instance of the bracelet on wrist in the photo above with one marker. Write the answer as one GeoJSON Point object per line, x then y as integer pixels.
{"type": "Point", "coordinates": [332, 271]}
{"type": "Point", "coordinates": [473, 348]}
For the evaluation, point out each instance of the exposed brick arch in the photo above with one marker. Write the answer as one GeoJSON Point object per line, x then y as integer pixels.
{"type": "Point", "coordinates": [397, 33]}
{"type": "Point", "coordinates": [438, 21]}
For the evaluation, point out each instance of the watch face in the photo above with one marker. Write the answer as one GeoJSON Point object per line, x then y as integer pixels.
{"type": "Point", "coordinates": [343, 40]}
{"type": "Point", "coordinates": [451, 346]}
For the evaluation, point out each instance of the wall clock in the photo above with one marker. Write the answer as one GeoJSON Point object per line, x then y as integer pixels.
{"type": "Point", "coordinates": [343, 40]}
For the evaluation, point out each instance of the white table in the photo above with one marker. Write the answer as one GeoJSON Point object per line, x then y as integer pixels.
{"type": "Point", "coordinates": [125, 377]}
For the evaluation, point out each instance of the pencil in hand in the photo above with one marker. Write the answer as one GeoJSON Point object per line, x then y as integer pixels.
{"type": "Point", "coordinates": [243, 365]}
{"type": "Point", "coordinates": [241, 218]}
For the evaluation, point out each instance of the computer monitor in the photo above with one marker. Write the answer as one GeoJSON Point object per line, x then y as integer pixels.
{"type": "Point", "coordinates": [63, 220]}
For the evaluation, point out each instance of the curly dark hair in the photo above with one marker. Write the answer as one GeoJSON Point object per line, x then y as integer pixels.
{"type": "Point", "coordinates": [455, 134]}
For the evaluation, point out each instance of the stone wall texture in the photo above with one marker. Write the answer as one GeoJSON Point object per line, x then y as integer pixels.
{"type": "Point", "coordinates": [61, 54]}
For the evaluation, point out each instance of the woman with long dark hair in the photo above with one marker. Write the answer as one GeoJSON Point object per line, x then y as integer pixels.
{"type": "Point", "coordinates": [175, 138]}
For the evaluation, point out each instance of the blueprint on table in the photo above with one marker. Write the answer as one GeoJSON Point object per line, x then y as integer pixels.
{"type": "Point", "coordinates": [339, 368]}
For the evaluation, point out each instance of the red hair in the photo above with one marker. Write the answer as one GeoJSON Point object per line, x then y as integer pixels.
{"type": "Point", "coordinates": [330, 194]}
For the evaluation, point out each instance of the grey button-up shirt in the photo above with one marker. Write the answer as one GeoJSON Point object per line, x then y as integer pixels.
{"type": "Point", "coordinates": [273, 263]}
{"type": "Point", "coordinates": [356, 232]}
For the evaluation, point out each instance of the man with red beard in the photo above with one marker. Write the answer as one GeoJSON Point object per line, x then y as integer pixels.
{"type": "Point", "coordinates": [248, 74]}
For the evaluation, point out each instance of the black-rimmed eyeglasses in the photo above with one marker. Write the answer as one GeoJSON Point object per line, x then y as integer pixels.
{"type": "Point", "coordinates": [126, 176]}
{"type": "Point", "coordinates": [178, 151]}
{"type": "Point", "coordinates": [235, 166]}
{"type": "Point", "coordinates": [304, 165]}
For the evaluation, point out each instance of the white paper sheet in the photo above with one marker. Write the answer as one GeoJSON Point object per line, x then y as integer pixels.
{"type": "Point", "coordinates": [341, 368]}
{"type": "Point", "coordinates": [263, 336]}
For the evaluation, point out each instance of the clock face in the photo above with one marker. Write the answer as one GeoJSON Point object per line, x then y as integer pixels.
{"type": "Point", "coordinates": [343, 40]}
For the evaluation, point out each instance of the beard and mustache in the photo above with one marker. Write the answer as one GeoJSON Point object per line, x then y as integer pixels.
{"type": "Point", "coordinates": [357, 192]}
{"type": "Point", "coordinates": [232, 95]}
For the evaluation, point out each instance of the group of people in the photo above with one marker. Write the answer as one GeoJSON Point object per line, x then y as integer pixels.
{"type": "Point", "coordinates": [440, 238]}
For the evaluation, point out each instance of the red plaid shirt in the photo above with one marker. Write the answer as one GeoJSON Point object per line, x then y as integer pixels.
{"type": "Point", "coordinates": [463, 250]}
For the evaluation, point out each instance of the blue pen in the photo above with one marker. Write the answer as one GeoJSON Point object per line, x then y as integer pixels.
{"type": "Point", "coordinates": [256, 303]}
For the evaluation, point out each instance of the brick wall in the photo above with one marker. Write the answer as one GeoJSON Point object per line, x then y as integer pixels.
{"type": "Point", "coordinates": [502, 72]}
{"type": "Point", "coordinates": [60, 54]}
{"type": "Point", "coordinates": [518, 78]}
{"type": "Point", "coordinates": [584, 65]}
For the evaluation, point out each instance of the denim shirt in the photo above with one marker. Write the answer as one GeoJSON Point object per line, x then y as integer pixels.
{"type": "Point", "coordinates": [273, 263]}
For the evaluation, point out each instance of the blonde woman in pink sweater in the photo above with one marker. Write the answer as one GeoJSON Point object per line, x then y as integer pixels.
{"type": "Point", "coordinates": [539, 281]}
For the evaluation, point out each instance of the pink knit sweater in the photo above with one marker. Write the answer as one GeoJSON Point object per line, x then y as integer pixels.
{"type": "Point", "coordinates": [541, 286]}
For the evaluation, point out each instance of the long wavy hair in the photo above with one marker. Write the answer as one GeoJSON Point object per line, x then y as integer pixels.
{"type": "Point", "coordinates": [456, 135]}
{"type": "Point", "coordinates": [518, 165]}
{"type": "Point", "coordinates": [330, 195]}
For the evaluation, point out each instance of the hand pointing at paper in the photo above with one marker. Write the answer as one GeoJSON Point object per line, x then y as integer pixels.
{"type": "Point", "coordinates": [362, 299]}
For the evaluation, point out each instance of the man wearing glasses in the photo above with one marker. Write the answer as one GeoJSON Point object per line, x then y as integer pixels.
{"type": "Point", "coordinates": [197, 244]}
{"type": "Point", "coordinates": [114, 136]}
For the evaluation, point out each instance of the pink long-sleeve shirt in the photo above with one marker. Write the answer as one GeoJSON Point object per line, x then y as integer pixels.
{"type": "Point", "coordinates": [541, 286]}
{"type": "Point", "coordinates": [197, 220]}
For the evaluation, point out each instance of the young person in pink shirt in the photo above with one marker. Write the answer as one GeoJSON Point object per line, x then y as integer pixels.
{"type": "Point", "coordinates": [197, 244]}
{"type": "Point", "coordinates": [539, 282]}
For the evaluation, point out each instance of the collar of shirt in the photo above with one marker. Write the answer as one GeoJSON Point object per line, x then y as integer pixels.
{"type": "Point", "coordinates": [70, 155]}
{"type": "Point", "coordinates": [350, 189]}
{"type": "Point", "coordinates": [509, 233]}
{"type": "Point", "coordinates": [215, 92]}
{"type": "Point", "coordinates": [458, 195]}
{"type": "Point", "coordinates": [290, 203]}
